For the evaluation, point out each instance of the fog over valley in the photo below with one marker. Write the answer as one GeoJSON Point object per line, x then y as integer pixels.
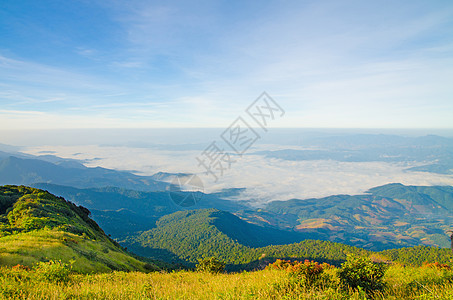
{"type": "Point", "coordinates": [291, 164]}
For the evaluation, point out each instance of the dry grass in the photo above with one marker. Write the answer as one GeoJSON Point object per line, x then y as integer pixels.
{"type": "Point", "coordinates": [402, 283]}
{"type": "Point", "coordinates": [90, 255]}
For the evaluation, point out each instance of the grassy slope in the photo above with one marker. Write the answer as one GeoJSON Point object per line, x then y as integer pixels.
{"type": "Point", "coordinates": [37, 226]}
{"type": "Point", "coordinates": [88, 255]}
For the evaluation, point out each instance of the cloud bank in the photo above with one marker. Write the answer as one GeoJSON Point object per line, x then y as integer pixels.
{"type": "Point", "coordinates": [265, 179]}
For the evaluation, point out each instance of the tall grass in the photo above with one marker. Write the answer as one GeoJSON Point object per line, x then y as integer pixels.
{"type": "Point", "coordinates": [400, 283]}
{"type": "Point", "coordinates": [41, 245]}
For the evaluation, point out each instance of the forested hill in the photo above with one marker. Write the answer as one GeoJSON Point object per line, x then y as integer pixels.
{"type": "Point", "coordinates": [388, 216]}
{"type": "Point", "coordinates": [121, 212]}
{"type": "Point", "coordinates": [187, 236]}
{"type": "Point", "coordinates": [36, 225]}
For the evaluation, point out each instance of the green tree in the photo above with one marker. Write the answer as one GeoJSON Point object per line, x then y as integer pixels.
{"type": "Point", "coordinates": [211, 265]}
{"type": "Point", "coordinates": [362, 272]}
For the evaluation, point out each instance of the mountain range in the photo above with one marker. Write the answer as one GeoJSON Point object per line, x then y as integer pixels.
{"type": "Point", "coordinates": [389, 216]}
{"type": "Point", "coordinates": [138, 212]}
{"type": "Point", "coordinates": [19, 170]}
{"type": "Point", "coordinates": [185, 237]}
{"type": "Point", "coordinates": [433, 153]}
{"type": "Point", "coordinates": [38, 226]}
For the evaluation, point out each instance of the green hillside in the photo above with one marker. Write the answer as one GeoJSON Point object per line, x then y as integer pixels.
{"type": "Point", "coordinates": [38, 226]}
{"type": "Point", "coordinates": [187, 236]}
{"type": "Point", "coordinates": [122, 212]}
{"type": "Point", "coordinates": [442, 196]}
{"type": "Point", "coordinates": [386, 217]}
{"type": "Point", "coordinates": [389, 216]}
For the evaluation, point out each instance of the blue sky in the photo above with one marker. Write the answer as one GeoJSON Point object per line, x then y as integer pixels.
{"type": "Point", "coordinates": [139, 64]}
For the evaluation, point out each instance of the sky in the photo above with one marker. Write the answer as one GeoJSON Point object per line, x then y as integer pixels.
{"type": "Point", "coordinates": [172, 64]}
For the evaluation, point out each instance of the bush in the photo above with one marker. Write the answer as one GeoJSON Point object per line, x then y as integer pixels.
{"type": "Point", "coordinates": [362, 273]}
{"type": "Point", "coordinates": [53, 271]}
{"type": "Point", "coordinates": [306, 273]}
{"type": "Point", "coordinates": [436, 265]}
{"type": "Point", "coordinates": [280, 264]}
{"type": "Point", "coordinates": [149, 267]}
{"type": "Point", "coordinates": [16, 273]}
{"type": "Point", "coordinates": [211, 265]}
{"type": "Point", "coordinates": [20, 268]}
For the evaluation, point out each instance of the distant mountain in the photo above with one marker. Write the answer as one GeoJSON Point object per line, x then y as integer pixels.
{"type": "Point", "coordinates": [15, 170]}
{"type": "Point", "coordinates": [434, 152]}
{"type": "Point", "coordinates": [124, 203]}
{"type": "Point", "coordinates": [362, 141]}
{"type": "Point", "coordinates": [62, 162]}
{"type": "Point", "coordinates": [38, 226]}
{"type": "Point", "coordinates": [165, 176]}
{"type": "Point", "coordinates": [9, 148]}
{"type": "Point", "coordinates": [444, 167]}
{"type": "Point", "coordinates": [422, 198]}
{"type": "Point", "coordinates": [187, 236]}
{"type": "Point", "coordinates": [4, 155]}
{"type": "Point", "coordinates": [389, 216]}
{"type": "Point", "coordinates": [123, 212]}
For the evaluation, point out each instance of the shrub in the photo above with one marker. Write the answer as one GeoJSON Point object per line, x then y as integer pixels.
{"type": "Point", "coordinates": [53, 271]}
{"type": "Point", "coordinates": [308, 272]}
{"type": "Point", "coordinates": [436, 265]}
{"type": "Point", "coordinates": [149, 267]}
{"type": "Point", "coordinates": [280, 264]}
{"type": "Point", "coordinates": [211, 265]}
{"type": "Point", "coordinates": [362, 273]}
{"type": "Point", "coordinates": [20, 268]}
{"type": "Point", "coordinates": [16, 273]}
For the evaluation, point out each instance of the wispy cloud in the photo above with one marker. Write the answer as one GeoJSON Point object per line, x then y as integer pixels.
{"type": "Point", "coordinates": [329, 63]}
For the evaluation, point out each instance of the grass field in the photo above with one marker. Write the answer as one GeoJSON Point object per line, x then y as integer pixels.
{"type": "Point", "coordinates": [41, 245]}
{"type": "Point", "coordinates": [400, 283]}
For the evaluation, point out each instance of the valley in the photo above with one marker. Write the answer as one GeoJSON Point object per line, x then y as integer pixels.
{"type": "Point", "coordinates": [76, 220]}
